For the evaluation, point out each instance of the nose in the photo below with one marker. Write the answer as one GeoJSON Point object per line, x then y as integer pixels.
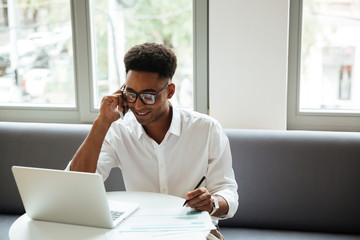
{"type": "Point", "coordinates": [138, 104]}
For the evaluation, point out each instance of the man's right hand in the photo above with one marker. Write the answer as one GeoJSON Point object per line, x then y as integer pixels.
{"type": "Point", "coordinates": [110, 107]}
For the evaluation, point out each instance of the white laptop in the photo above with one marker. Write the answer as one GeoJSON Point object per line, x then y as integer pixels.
{"type": "Point", "coordinates": [69, 197]}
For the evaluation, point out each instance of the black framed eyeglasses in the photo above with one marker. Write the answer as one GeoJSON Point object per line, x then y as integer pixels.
{"type": "Point", "coordinates": [146, 98]}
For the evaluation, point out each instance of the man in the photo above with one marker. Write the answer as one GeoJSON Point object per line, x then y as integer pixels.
{"type": "Point", "coordinates": [158, 147]}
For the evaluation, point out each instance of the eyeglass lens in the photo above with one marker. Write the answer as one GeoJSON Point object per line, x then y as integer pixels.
{"type": "Point", "coordinates": [146, 98]}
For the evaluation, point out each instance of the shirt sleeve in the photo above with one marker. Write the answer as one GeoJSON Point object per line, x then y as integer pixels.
{"type": "Point", "coordinates": [108, 157]}
{"type": "Point", "coordinates": [220, 175]}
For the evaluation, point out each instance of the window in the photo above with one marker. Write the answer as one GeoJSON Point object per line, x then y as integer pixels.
{"type": "Point", "coordinates": [119, 25]}
{"type": "Point", "coordinates": [324, 65]}
{"type": "Point", "coordinates": [36, 60]}
{"type": "Point", "coordinates": [76, 51]}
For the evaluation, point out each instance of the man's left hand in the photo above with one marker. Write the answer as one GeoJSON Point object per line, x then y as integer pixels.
{"type": "Point", "coordinates": [200, 199]}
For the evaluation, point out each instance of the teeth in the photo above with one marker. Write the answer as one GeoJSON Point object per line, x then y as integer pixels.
{"type": "Point", "coordinates": [142, 114]}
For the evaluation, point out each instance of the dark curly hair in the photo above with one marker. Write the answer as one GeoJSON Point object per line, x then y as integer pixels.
{"type": "Point", "coordinates": [151, 57]}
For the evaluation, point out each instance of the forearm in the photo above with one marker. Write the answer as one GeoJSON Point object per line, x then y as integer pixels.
{"type": "Point", "coordinates": [86, 157]}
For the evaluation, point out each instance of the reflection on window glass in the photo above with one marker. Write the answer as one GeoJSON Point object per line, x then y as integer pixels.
{"type": "Point", "coordinates": [330, 64]}
{"type": "Point", "coordinates": [118, 25]}
{"type": "Point", "coordinates": [36, 59]}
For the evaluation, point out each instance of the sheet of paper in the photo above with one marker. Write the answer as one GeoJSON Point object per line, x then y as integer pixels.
{"type": "Point", "coordinates": [167, 219]}
{"type": "Point", "coordinates": [165, 223]}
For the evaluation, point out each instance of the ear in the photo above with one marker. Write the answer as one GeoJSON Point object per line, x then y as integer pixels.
{"type": "Point", "coordinates": [171, 90]}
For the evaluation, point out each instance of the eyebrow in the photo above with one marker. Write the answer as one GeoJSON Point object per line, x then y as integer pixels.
{"type": "Point", "coordinates": [145, 90]}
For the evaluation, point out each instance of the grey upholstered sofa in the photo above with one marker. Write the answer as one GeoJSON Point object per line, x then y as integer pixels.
{"type": "Point", "coordinates": [292, 184]}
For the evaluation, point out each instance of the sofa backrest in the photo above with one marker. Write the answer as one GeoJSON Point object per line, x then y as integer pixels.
{"type": "Point", "coordinates": [296, 180]}
{"type": "Point", "coordinates": [300, 180]}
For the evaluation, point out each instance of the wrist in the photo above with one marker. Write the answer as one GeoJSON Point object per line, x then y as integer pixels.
{"type": "Point", "coordinates": [103, 121]}
{"type": "Point", "coordinates": [101, 125]}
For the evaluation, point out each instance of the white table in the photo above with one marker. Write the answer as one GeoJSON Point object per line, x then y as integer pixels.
{"type": "Point", "coordinates": [25, 228]}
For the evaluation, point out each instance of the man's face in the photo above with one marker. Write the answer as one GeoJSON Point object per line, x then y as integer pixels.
{"type": "Point", "coordinates": [148, 82]}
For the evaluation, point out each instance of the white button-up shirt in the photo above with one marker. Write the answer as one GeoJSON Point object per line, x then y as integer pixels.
{"type": "Point", "coordinates": [194, 146]}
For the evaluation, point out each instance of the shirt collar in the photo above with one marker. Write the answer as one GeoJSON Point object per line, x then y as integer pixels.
{"type": "Point", "coordinates": [174, 126]}
{"type": "Point", "coordinates": [175, 122]}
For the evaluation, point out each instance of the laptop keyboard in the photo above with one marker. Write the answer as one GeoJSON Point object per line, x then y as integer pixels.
{"type": "Point", "coordinates": [116, 214]}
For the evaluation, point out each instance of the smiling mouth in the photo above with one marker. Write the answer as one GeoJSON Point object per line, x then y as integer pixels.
{"type": "Point", "coordinates": [141, 114]}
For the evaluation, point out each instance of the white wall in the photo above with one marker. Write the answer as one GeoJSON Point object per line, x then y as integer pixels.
{"type": "Point", "coordinates": [248, 63]}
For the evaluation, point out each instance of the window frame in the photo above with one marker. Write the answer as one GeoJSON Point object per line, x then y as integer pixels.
{"type": "Point", "coordinates": [84, 110]}
{"type": "Point", "coordinates": [296, 120]}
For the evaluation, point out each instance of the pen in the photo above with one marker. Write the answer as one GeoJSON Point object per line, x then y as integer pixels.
{"type": "Point", "coordinates": [202, 179]}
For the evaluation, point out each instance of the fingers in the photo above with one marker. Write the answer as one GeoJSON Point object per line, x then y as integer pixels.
{"type": "Point", "coordinates": [117, 100]}
{"type": "Point", "coordinates": [113, 106]}
{"type": "Point", "coordinates": [195, 193]}
{"type": "Point", "coordinates": [200, 199]}
{"type": "Point", "coordinates": [111, 100]}
{"type": "Point", "coordinates": [110, 108]}
{"type": "Point", "coordinates": [122, 105]}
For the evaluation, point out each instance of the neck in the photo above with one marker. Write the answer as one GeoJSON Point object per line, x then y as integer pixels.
{"type": "Point", "coordinates": [158, 129]}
